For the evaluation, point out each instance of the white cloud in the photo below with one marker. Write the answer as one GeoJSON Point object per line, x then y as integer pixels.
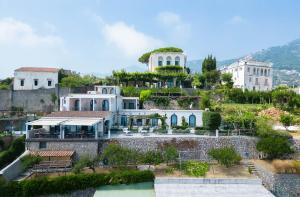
{"type": "Point", "coordinates": [174, 26]}
{"type": "Point", "coordinates": [13, 31]}
{"type": "Point", "coordinates": [22, 44]}
{"type": "Point", "coordinates": [129, 40]}
{"type": "Point", "coordinates": [237, 20]}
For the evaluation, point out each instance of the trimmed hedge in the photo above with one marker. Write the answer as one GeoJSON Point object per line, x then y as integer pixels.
{"type": "Point", "coordinates": [15, 150]}
{"type": "Point", "coordinates": [211, 120]}
{"type": "Point", "coordinates": [69, 183]}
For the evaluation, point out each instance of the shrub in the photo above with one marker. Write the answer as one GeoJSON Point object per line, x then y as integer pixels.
{"type": "Point", "coordinates": [118, 156]}
{"type": "Point", "coordinates": [286, 166]}
{"type": "Point", "coordinates": [225, 156]}
{"type": "Point", "coordinates": [161, 101]}
{"type": "Point", "coordinates": [29, 161]}
{"type": "Point", "coordinates": [65, 184]}
{"type": "Point", "coordinates": [211, 120]}
{"type": "Point", "coordinates": [195, 168]}
{"type": "Point", "coordinates": [152, 158]}
{"type": "Point", "coordinates": [287, 120]}
{"type": "Point", "coordinates": [85, 161]}
{"type": "Point", "coordinates": [15, 150]}
{"type": "Point", "coordinates": [145, 95]}
{"type": "Point", "coordinates": [170, 153]}
{"type": "Point", "coordinates": [170, 170]}
{"type": "Point", "coordinates": [274, 146]}
{"type": "Point", "coordinates": [205, 102]}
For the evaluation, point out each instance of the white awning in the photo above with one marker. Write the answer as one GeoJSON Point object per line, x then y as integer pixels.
{"type": "Point", "coordinates": [47, 122]}
{"type": "Point", "coordinates": [82, 121]}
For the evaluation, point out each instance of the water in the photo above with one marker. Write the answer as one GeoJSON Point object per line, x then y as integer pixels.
{"type": "Point", "coordinates": [133, 190]}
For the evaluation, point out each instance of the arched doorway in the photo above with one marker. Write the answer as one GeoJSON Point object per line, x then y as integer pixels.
{"type": "Point", "coordinates": [105, 105]}
{"type": "Point", "coordinates": [174, 120]}
{"type": "Point", "coordinates": [192, 120]}
{"type": "Point", "coordinates": [106, 126]}
{"type": "Point", "coordinates": [76, 105]}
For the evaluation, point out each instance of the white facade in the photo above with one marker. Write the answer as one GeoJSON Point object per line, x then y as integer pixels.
{"type": "Point", "coordinates": [251, 75]}
{"type": "Point", "coordinates": [31, 78]}
{"type": "Point", "coordinates": [166, 58]}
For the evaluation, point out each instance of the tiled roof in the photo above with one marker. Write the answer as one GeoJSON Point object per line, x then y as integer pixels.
{"type": "Point", "coordinates": [86, 114]}
{"type": "Point", "coordinates": [37, 69]}
{"type": "Point", "coordinates": [54, 153]}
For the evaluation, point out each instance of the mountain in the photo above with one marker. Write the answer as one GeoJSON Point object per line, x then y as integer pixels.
{"type": "Point", "coordinates": [285, 59]}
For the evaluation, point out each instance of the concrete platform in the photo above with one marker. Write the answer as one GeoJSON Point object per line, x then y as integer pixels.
{"type": "Point", "coordinates": [198, 187]}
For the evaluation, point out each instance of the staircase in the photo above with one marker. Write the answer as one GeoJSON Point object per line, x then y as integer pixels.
{"type": "Point", "coordinates": [252, 168]}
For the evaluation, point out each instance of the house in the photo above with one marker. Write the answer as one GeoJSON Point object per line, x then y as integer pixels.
{"type": "Point", "coordinates": [157, 59]}
{"type": "Point", "coordinates": [251, 75]}
{"type": "Point", "coordinates": [31, 78]}
{"type": "Point", "coordinates": [103, 112]}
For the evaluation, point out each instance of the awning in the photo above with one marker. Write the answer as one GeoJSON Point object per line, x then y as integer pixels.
{"type": "Point", "coordinates": [47, 122]}
{"type": "Point", "coordinates": [81, 121]}
{"type": "Point", "coordinates": [54, 153]}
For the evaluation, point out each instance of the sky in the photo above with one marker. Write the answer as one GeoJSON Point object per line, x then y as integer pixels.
{"type": "Point", "coordinates": [98, 36]}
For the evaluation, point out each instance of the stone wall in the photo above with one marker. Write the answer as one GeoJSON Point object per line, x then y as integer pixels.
{"type": "Point", "coordinates": [282, 185]}
{"type": "Point", "coordinates": [5, 99]}
{"type": "Point", "coordinates": [190, 147]}
{"type": "Point", "coordinates": [81, 146]}
{"type": "Point", "coordinates": [36, 100]}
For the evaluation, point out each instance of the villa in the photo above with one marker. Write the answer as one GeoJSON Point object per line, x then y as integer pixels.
{"type": "Point", "coordinates": [103, 114]}
{"type": "Point", "coordinates": [251, 75]}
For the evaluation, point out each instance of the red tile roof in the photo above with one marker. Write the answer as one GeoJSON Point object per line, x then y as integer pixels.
{"type": "Point", "coordinates": [87, 114]}
{"type": "Point", "coordinates": [37, 69]}
{"type": "Point", "coordinates": [54, 153]}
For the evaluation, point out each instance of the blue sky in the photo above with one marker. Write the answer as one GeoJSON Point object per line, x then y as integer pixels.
{"type": "Point", "coordinates": [104, 35]}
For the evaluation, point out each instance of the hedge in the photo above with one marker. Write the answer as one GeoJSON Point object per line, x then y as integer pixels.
{"type": "Point", "coordinates": [15, 150]}
{"type": "Point", "coordinates": [211, 120]}
{"type": "Point", "coordinates": [69, 183]}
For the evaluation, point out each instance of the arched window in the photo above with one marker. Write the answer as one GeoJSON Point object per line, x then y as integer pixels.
{"type": "Point", "coordinates": [261, 72]}
{"type": "Point", "coordinates": [91, 105]}
{"type": "Point", "coordinates": [111, 91]}
{"type": "Point", "coordinates": [265, 72]}
{"type": "Point", "coordinates": [169, 59]}
{"type": "Point", "coordinates": [77, 105]}
{"type": "Point", "coordinates": [177, 60]}
{"type": "Point", "coordinates": [192, 120]}
{"type": "Point", "coordinates": [123, 120]}
{"type": "Point", "coordinates": [105, 105]}
{"type": "Point", "coordinates": [160, 61]}
{"type": "Point", "coordinates": [104, 91]}
{"type": "Point", "coordinates": [173, 120]}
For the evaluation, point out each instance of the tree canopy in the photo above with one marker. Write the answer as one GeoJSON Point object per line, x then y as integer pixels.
{"type": "Point", "coordinates": [145, 57]}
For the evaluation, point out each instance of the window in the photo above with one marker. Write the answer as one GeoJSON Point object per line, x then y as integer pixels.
{"type": "Point", "coordinates": [131, 106]}
{"type": "Point", "coordinates": [22, 82]}
{"type": "Point", "coordinates": [266, 82]}
{"type": "Point", "coordinates": [139, 122]}
{"type": "Point", "coordinates": [77, 105]}
{"type": "Point", "coordinates": [248, 70]}
{"type": "Point", "coordinates": [250, 79]}
{"type": "Point", "coordinates": [111, 91]}
{"type": "Point", "coordinates": [105, 105]}
{"type": "Point", "coordinates": [169, 59]}
{"type": "Point", "coordinates": [257, 71]}
{"type": "Point", "coordinates": [254, 71]}
{"type": "Point", "coordinates": [123, 120]}
{"type": "Point", "coordinates": [173, 120]}
{"type": "Point", "coordinates": [192, 120]}
{"type": "Point", "coordinates": [49, 82]}
{"type": "Point", "coordinates": [154, 122]}
{"type": "Point", "coordinates": [36, 82]}
{"type": "Point", "coordinates": [91, 105]}
{"type": "Point", "coordinates": [261, 72]}
{"type": "Point", "coordinates": [43, 145]}
{"type": "Point", "coordinates": [104, 91]}
{"type": "Point", "coordinates": [160, 61]}
{"type": "Point", "coordinates": [177, 61]}
{"type": "Point", "coordinates": [256, 81]}
{"type": "Point", "coordinates": [265, 72]}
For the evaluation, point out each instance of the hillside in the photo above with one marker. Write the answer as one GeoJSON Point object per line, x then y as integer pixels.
{"type": "Point", "coordinates": [285, 59]}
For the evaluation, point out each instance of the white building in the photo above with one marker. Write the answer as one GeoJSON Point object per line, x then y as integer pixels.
{"type": "Point", "coordinates": [95, 114]}
{"type": "Point", "coordinates": [31, 78]}
{"type": "Point", "coordinates": [251, 75]}
{"type": "Point", "coordinates": [157, 59]}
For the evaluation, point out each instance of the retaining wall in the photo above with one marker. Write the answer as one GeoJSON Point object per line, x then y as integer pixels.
{"type": "Point", "coordinates": [190, 147]}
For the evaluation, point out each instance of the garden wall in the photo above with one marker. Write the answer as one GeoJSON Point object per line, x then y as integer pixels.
{"type": "Point", "coordinates": [190, 147]}
{"type": "Point", "coordinates": [79, 193]}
